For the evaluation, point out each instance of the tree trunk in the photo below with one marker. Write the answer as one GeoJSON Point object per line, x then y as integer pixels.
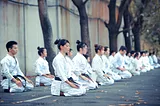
{"type": "Point", "coordinates": [84, 27]}
{"type": "Point", "coordinates": [113, 41]}
{"type": "Point", "coordinates": [83, 22]}
{"type": "Point", "coordinates": [47, 32]}
{"type": "Point", "coordinates": [137, 45]}
{"type": "Point", "coordinates": [114, 25]}
{"type": "Point", "coordinates": [126, 33]}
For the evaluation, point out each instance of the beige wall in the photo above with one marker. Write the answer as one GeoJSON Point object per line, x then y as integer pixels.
{"type": "Point", "coordinates": [21, 23]}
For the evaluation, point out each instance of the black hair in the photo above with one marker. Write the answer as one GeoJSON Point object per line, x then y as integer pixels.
{"type": "Point", "coordinates": [122, 48]}
{"type": "Point", "coordinates": [150, 54]}
{"type": "Point", "coordinates": [69, 51]}
{"type": "Point", "coordinates": [86, 56]}
{"type": "Point", "coordinates": [61, 42]}
{"type": "Point", "coordinates": [40, 50]}
{"type": "Point", "coordinates": [80, 45]}
{"type": "Point", "coordinates": [10, 44]}
{"type": "Point", "coordinates": [106, 48]}
{"type": "Point", "coordinates": [132, 52]}
{"type": "Point", "coordinates": [112, 51]}
{"type": "Point", "coordinates": [128, 53]}
{"type": "Point", "coordinates": [142, 52]}
{"type": "Point", "coordinates": [136, 54]}
{"type": "Point", "coordinates": [98, 47]}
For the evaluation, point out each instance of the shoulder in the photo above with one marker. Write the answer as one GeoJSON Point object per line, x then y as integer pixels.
{"type": "Point", "coordinates": [6, 59]}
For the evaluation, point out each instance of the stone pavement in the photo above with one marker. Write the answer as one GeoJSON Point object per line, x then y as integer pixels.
{"type": "Point", "coordinates": [143, 90]}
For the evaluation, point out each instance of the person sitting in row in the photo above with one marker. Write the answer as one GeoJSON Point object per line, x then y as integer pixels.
{"type": "Point", "coordinates": [119, 63]}
{"type": "Point", "coordinates": [151, 61]}
{"type": "Point", "coordinates": [62, 74]}
{"type": "Point", "coordinates": [42, 69]}
{"type": "Point", "coordinates": [107, 65]}
{"type": "Point", "coordinates": [144, 61]}
{"type": "Point", "coordinates": [147, 60]}
{"type": "Point", "coordinates": [90, 70]}
{"type": "Point", "coordinates": [97, 65]}
{"type": "Point", "coordinates": [111, 57]}
{"type": "Point", "coordinates": [80, 63]}
{"type": "Point", "coordinates": [131, 64]}
{"type": "Point", "coordinates": [155, 60]}
{"type": "Point", "coordinates": [13, 78]}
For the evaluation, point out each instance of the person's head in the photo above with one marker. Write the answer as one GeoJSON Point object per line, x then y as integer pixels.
{"type": "Point", "coordinates": [87, 57]}
{"type": "Point", "coordinates": [137, 55]}
{"type": "Point", "coordinates": [128, 54]}
{"type": "Point", "coordinates": [147, 53]}
{"type": "Point", "coordinates": [81, 47]}
{"type": "Point", "coordinates": [132, 53]}
{"type": "Point", "coordinates": [63, 45]}
{"type": "Point", "coordinates": [143, 53]}
{"type": "Point", "coordinates": [42, 51]}
{"type": "Point", "coordinates": [123, 50]}
{"type": "Point", "coordinates": [99, 49]}
{"type": "Point", "coordinates": [12, 47]}
{"type": "Point", "coordinates": [150, 54]}
{"type": "Point", "coordinates": [112, 53]}
{"type": "Point", "coordinates": [106, 50]}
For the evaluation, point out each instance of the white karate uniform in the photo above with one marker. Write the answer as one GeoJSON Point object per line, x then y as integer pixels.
{"type": "Point", "coordinates": [132, 66]}
{"type": "Point", "coordinates": [111, 58]}
{"type": "Point", "coordinates": [145, 63]}
{"type": "Point", "coordinates": [119, 62]}
{"type": "Point", "coordinates": [41, 67]}
{"type": "Point", "coordinates": [10, 68]}
{"type": "Point", "coordinates": [60, 65]}
{"type": "Point", "coordinates": [155, 60]}
{"type": "Point", "coordinates": [81, 63]}
{"type": "Point", "coordinates": [97, 65]}
{"type": "Point", "coordinates": [139, 66]}
{"type": "Point", "coordinates": [135, 70]}
{"type": "Point", "coordinates": [108, 70]}
{"type": "Point", "coordinates": [151, 62]}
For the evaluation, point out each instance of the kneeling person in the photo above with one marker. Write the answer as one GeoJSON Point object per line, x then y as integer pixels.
{"type": "Point", "coordinates": [13, 78]}
{"type": "Point", "coordinates": [42, 69]}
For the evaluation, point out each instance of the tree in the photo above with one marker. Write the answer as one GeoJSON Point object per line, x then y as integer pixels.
{"type": "Point", "coordinates": [80, 4]}
{"type": "Point", "coordinates": [113, 25]}
{"type": "Point", "coordinates": [126, 29]}
{"type": "Point", "coordinates": [138, 21]}
{"type": "Point", "coordinates": [47, 31]}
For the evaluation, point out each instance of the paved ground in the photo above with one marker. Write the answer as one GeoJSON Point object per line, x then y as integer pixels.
{"type": "Point", "coordinates": [141, 90]}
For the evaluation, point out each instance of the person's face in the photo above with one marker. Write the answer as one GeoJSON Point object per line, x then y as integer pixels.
{"type": "Point", "coordinates": [107, 52]}
{"type": "Point", "coordinates": [129, 54]}
{"type": "Point", "coordinates": [102, 51]}
{"type": "Point", "coordinates": [123, 52]}
{"type": "Point", "coordinates": [44, 54]}
{"type": "Point", "coordinates": [70, 53]}
{"type": "Point", "coordinates": [113, 53]}
{"type": "Point", "coordinates": [84, 50]}
{"type": "Point", "coordinates": [65, 48]}
{"type": "Point", "coordinates": [14, 49]}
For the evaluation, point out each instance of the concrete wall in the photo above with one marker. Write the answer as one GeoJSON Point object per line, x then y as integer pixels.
{"type": "Point", "coordinates": [21, 23]}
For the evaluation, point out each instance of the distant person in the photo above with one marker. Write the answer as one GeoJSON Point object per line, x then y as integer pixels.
{"type": "Point", "coordinates": [155, 60]}
{"type": "Point", "coordinates": [67, 86]}
{"type": "Point", "coordinates": [80, 63]}
{"type": "Point", "coordinates": [42, 69]}
{"type": "Point", "coordinates": [119, 63]}
{"type": "Point", "coordinates": [107, 65]}
{"type": "Point", "coordinates": [97, 65]}
{"type": "Point", "coordinates": [13, 78]}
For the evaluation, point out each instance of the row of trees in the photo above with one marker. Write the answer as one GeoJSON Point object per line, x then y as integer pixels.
{"type": "Point", "coordinates": [130, 10]}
